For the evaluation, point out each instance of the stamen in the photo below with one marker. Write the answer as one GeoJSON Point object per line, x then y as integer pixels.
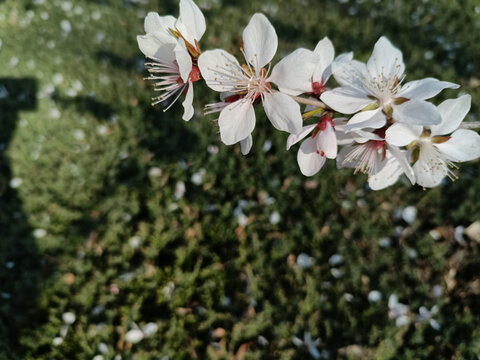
{"type": "Point", "coordinates": [366, 157]}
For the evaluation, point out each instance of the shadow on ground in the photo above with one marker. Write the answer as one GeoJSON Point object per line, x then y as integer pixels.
{"type": "Point", "coordinates": [20, 264]}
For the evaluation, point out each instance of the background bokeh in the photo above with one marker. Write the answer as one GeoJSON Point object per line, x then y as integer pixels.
{"type": "Point", "coordinates": [127, 217]}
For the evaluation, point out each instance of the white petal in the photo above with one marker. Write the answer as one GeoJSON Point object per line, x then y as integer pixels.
{"type": "Point", "coordinates": [295, 138]}
{"type": "Point", "coordinates": [350, 73]}
{"type": "Point", "coordinates": [157, 46]}
{"type": "Point", "coordinates": [216, 67]}
{"type": "Point", "coordinates": [344, 151]}
{"type": "Point", "coordinates": [386, 61]}
{"type": "Point", "coordinates": [283, 112]}
{"type": "Point", "coordinates": [314, 351]}
{"type": "Point", "coordinates": [452, 112]}
{"type": "Point", "coordinates": [434, 324]}
{"type": "Point", "coordinates": [326, 53]}
{"type": "Point", "coordinates": [246, 145]}
{"type": "Point", "coordinates": [157, 23]}
{"type": "Point", "coordinates": [424, 89]}
{"type": "Point", "coordinates": [362, 136]}
{"type": "Point", "coordinates": [340, 123]}
{"type": "Point", "coordinates": [427, 177]}
{"type": "Point", "coordinates": [184, 60]}
{"type": "Point", "coordinates": [403, 159]}
{"type": "Point", "coordinates": [259, 41]}
{"type": "Point", "coordinates": [309, 160]}
{"type": "Point", "coordinates": [236, 121]}
{"type": "Point", "coordinates": [463, 145]}
{"type": "Point", "coordinates": [387, 176]}
{"type": "Point", "coordinates": [367, 119]}
{"type": "Point", "coordinates": [416, 112]}
{"type": "Point", "coordinates": [429, 169]}
{"type": "Point", "coordinates": [401, 134]}
{"type": "Point", "coordinates": [134, 336]}
{"type": "Point", "coordinates": [327, 142]}
{"type": "Point", "coordinates": [344, 57]}
{"type": "Point", "coordinates": [346, 100]}
{"type": "Point", "coordinates": [293, 74]}
{"type": "Point", "coordinates": [191, 22]}
{"type": "Point", "coordinates": [187, 103]}
{"type": "Point", "coordinates": [366, 157]}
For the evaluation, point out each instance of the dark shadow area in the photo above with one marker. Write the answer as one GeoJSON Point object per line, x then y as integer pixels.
{"type": "Point", "coordinates": [20, 263]}
{"type": "Point", "coordinates": [85, 104]}
{"type": "Point", "coordinates": [169, 138]}
{"type": "Point", "coordinates": [118, 61]}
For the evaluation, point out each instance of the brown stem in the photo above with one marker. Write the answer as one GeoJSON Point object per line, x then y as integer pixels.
{"type": "Point", "coordinates": [312, 102]}
{"type": "Point", "coordinates": [470, 125]}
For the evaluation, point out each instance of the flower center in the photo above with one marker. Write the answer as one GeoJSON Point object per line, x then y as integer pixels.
{"type": "Point", "coordinates": [318, 88]}
{"type": "Point", "coordinates": [257, 83]}
{"type": "Point", "coordinates": [367, 157]}
{"type": "Point", "coordinates": [195, 74]}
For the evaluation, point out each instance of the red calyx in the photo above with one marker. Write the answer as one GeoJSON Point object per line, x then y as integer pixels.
{"type": "Point", "coordinates": [380, 132]}
{"type": "Point", "coordinates": [324, 120]}
{"type": "Point", "coordinates": [318, 88]}
{"type": "Point", "coordinates": [378, 143]}
{"type": "Point", "coordinates": [322, 124]}
{"type": "Point", "coordinates": [232, 98]}
{"type": "Point", "coordinates": [195, 74]}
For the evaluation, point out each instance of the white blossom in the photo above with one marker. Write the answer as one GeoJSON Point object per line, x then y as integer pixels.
{"type": "Point", "coordinates": [435, 149]}
{"type": "Point", "coordinates": [374, 91]}
{"type": "Point", "coordinates": [250, 83]}
{"type": "Point", "coordinates": [172, 46]}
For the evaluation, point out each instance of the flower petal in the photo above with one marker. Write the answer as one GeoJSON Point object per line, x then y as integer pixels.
{"type": "Point", "coordinates": [424, 89]}
{"type": "Point", "coordinates": [157, 23]}
{"type": "Point", "coordinates": [184, 60]}
{"type": "Point", "coordinates": [429, 169]}
{"type": "Point", "coordinates": [187, 103]}
{"type": "Point", "coordinates": [327, 142]}
{"type": "Point", "coordinates": [157, 46]}
{"type": "Point", "coordinates": [309, 161]}
{"type": "Point", "coordinates": [134, 336]}
{"type": "Point", "coordinates": [345, 99]}
{"type": "Point", "coordinates": [403, 159]}
{"type": "Point", "coordinates": [350, 73]}
{"type": "Point", "coordinates": [326, 53]}
{"type": "Point", "coordinates": [388, 175]}
{"type": "Point", "coordinates": [367, 119]}
{"type": "Point", "coordinates": [396, 165]}
{"type": "Point", "coordinates": [283, 112]}
{"type": "Point", "coordinates": [260, 41]}
{"type": "Point", "coordinates": [362, 136]}
{"type": "Point", "coordinates": [402, 134]}
{"type": "Point", "coordinates": [452, 111]}
{"type": "Point", "coordinates": [236, 121]}
{"type": "Point", "coordinates": [295, 138]}
{"type": "Point", "coordinates": [246, 145]}
{"type": "Point", "coordinates": [341, 157]}
{"type": "Point", "coordinates": [366, 157]}
{"type": "Point", "coordinates": [293, 74]}
{"type": "Point", "coordinates": [191, 22]}
{"type": "Point", "coordinates": [416, 112]}
{"type": "Point", "coordinates": [217, 68]}
{"type": "Point", "coordinates": [463, 145]}
{"type": "Point", "coordinates": [386, 61]}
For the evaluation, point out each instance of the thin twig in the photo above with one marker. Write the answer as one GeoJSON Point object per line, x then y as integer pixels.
{"type": "Point", "coordinates": [312, 102]}
{"type": "Point", "coordinates": [470, 125]}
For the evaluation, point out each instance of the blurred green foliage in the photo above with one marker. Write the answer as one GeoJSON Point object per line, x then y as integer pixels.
{"type": "Point", "coordinates": [91, 222]}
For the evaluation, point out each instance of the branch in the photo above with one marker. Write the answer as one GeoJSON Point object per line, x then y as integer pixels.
{"type": "Point", "coordinates": [312, 102]}
{"type": "Point", "coordinates": [470, 125]}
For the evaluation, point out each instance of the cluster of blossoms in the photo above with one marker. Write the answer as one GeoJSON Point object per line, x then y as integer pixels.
{"type": "Point", "coordinates": [391, 129]}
